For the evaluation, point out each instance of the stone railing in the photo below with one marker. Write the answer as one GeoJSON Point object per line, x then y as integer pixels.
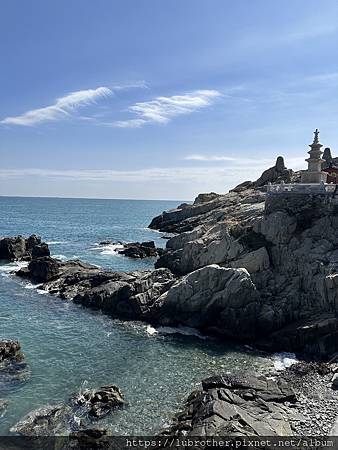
{"type": "Point", "coordinates": [302, 188]}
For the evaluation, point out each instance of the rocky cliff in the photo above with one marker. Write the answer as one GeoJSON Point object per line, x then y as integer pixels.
{"type": "Point", "coordinates": [256, 265]}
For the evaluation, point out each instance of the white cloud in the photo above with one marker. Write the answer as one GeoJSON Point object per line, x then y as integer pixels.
{"type": "Point", "coordinates": [294, 163]}
{"type": "Point", "coordinates": [63, 107]}
{"type": "Point", "coordinates": [208, 158]}
{"type": "Point", "coordinates": [163, 109]}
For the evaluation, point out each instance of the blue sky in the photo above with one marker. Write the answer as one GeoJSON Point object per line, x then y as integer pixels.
{"type": "Point", "coordinates": [161, 99]}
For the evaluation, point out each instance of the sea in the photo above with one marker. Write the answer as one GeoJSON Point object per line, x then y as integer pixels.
{"type": "Point", "coordinates": [69, 348]}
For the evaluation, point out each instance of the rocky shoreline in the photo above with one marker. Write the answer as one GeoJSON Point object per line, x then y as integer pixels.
{"type": "Point", "coordinates": [244, 266]}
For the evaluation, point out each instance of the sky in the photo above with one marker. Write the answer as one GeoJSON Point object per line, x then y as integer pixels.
{"type": "Point", "coordinates": [161, 99]}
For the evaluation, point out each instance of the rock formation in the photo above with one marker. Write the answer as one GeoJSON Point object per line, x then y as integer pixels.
{"type": "Point", "coordinates": [246, 404]}
{"type": "Point", "coordinates": [13, 368]}
{"type": "Point", "coordinates": [75, 414]}
{"type": "Point", "coordinates": [124, 295]}
{"type": "Point", "coordinates": [288, 246]}
{"type": "Point", "coordinates": [329, 160]}
{"type": "Point", "coordinates": [22, 249]}
{"type": "Point", "coordinates": [140, 250]}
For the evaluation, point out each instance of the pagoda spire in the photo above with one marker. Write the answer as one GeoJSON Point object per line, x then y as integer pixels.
{"type": "Point", "coordinates": [314, 172]}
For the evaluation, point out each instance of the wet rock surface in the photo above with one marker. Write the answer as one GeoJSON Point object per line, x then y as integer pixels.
{"type": "Point", "coordinates": [76, 414]}
{"type": "Point", "coordinates": [20, 248]}
{"type": "Point", "coordinates": [13, 367]}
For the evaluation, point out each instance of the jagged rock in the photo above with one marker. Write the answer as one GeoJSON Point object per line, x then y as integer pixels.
{"type": "Point", "coordinates": [277, 173]}
{"type": "Point", "coordinates": [13, 367]}
{"type": "Point", "coordinates": [125, 295]}
{"type": "Point", "coordinates": [207, 197]}
{"type": "Point", "coordinates": [131, 296]}
{"type": "Point", "coordinates": [20, 248]}
{"type": "Point", "coordinates": [75, 414]}
{"type": "Point", "coordinates": [236, 405]}
{"type": "Point", "coordinates": [41, 270]}
{"type": "Point", "coordinates": [243, 186]}
{"type": "Point", "coordinates": [10, 350]}
{"type": "Point", "coordinates": [140, 250]}
{"type": "Point", "coordinates": [213, 297]}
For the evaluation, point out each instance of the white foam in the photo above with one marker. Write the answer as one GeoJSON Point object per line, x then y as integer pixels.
{"type": "Point", "coordinates": [61, 257]}
{"type": "Point", "coordinates": [32, 286]}
{"type": "Point", "coordinates": [56, 242]}
{"type": "Point", "coordinates": [8, 269]}
{"type": "Point", "coordinates": [42, 291]}
{"type": "Point", "coordinates": [151, 330]}
{"type": "Point", "coordinates": [282, 361]}
{"type": "Point", "coordinates": [108, 249]}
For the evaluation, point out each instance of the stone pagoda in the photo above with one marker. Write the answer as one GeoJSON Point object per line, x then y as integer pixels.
{"type": "Point", "coordinates": [314, 172]}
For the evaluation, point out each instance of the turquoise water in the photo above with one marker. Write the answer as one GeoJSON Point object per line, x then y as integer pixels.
{"type": "Point", "coordinates": [67, 346]}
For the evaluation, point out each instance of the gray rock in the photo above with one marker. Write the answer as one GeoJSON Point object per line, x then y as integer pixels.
{"type": "Point", "coordinates": [236, 405]}
{"type": "Point", "coordinates": [19, 248]}
{"type": "Point", "coordinates": [213, 297]}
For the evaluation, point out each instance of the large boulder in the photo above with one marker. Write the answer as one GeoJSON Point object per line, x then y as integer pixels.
{"type": "Point", "coordinates": [223, 300]}
{"type": "Point", "coordinates": [19, 248]}
{"type": "Point", "coordinates": [274, 174]}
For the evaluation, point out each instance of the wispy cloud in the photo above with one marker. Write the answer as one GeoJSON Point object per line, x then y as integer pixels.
{"type": "Point", "coordinates": [67, 105]}
{"type": "Point", "coordinates": [236, 167]}
{"type": "Point", "coordinates": [162, 110]}
{"type": "Point", "coordinates": [62, 108]}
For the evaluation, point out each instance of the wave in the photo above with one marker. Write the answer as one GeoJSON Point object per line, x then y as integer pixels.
{"type": "Point", "coordinates": [7, 269]}
{"type": "Point", "coordinates": [55, 242]}
{"type": "Point", "coordinates": [108, 249]}
{"type": "Point", "coordinates": [283, 360]}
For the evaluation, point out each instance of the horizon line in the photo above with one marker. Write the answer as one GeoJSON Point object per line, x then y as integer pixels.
{"type": "Point", "coordinates": [95, 198]}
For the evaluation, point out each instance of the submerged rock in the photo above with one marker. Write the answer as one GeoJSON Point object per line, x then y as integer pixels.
{"type": "Point", "coordinates": [3, 407]}
{"type": "Point", "coordinates": [22, 249]}
{"type": "Point", "coordinates": [74, 415]}
{"type": "Point", "coordinates": [13, 367]}
{"type": "Point", "coordinates": [10, 351]}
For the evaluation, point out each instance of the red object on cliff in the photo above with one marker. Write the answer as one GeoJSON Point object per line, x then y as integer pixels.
{"type": "Point", "coordinates": [332, 176]}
